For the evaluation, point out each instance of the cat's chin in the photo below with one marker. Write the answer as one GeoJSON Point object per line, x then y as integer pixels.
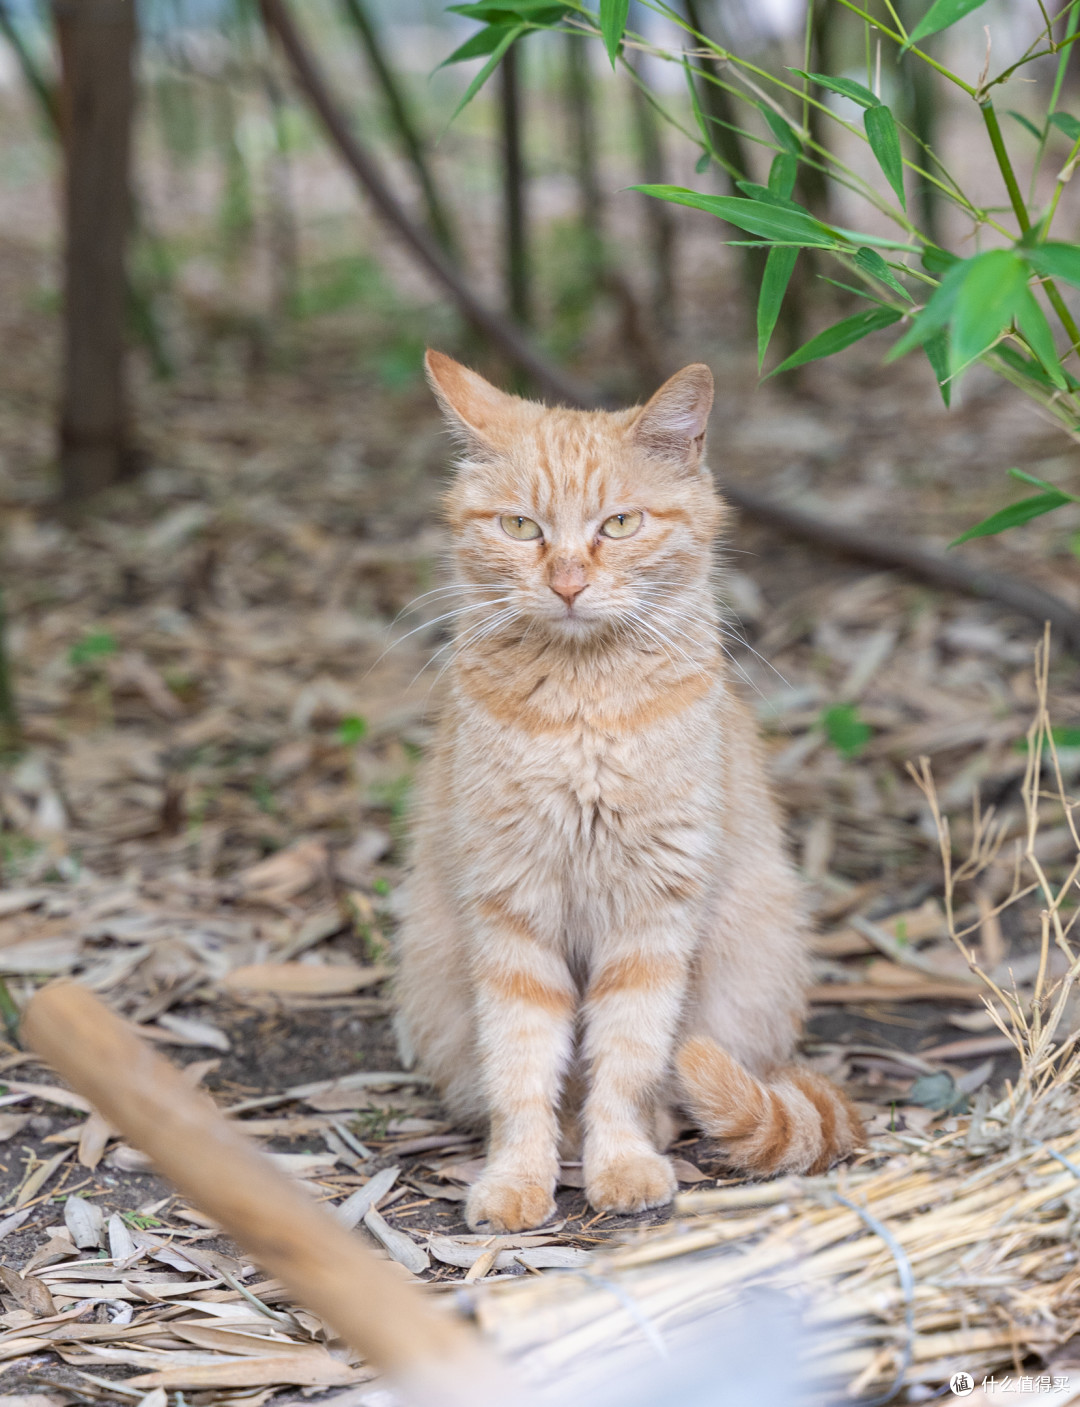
{"type": "Point", "coordinates": [574, 627]}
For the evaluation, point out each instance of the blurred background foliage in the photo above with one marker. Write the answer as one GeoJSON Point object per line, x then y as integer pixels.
{"type": "Point", "coordinates": [247, 225]}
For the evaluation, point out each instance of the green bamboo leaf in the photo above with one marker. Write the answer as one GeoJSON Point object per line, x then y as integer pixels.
{"type": "Point", "coordinates": [1015, 514]}
{"type": "Point", "coordinates": [782, 174]}
{"type": "Point", "coordinates": [508, 38]}
{"type": "Point", "coordinates": [477, 45]}
{"type": "Point", "coordinates": [935, 316]}
{"type": "Point", "coordinates": [937, 354]}
{"type": "Point", "coordinates": [884, 142]}
{"type": "Point", "coordinates": [941, 14]}
{"type": "Point", "coordinates": [1032, 323]}
{"type": "Point", "coordinates": [1055, 260]}
{"type": "Point", "coordinates": [1037, 483]}
{"type": "Point", "coordinates": [774, 282]}
{"type": "Point", "coordinates": [769, 196]}
{"type": "Point", "coordinates": [986, 303]}
{"type": "Point", "coordinates": [1065, 122]}
{"type": "Point", "coordinates": [769, 220]}
{"type": "Point", "coordinates": [937, 261]}
{"type": "Point", "coordinates": [1029, 368]}
{"type": "Point", "coordinates": [840, 335]}
{"type": "Point", "coordinates": [695, 104]}
{"type": "Point", "coordinates": [851, 288]}
{"type": "Point", "coordinates": [613, 17]}
{"type": "Point", "coordinates": [871, 262]}
{"type": "Point", "coordinates": [781, 129]}
{"type": "Point", "coordinates": [508, 12]}
{"type": "Point", "coordinates": [1026, 123]}
{"type": "Point", "coordinates": [846, 87]}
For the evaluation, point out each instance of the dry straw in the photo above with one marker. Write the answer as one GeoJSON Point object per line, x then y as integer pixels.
{"type": "Point", "coordinates": [934, 1253]}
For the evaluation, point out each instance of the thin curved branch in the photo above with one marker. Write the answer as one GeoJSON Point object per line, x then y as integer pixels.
{"type": "Point", "coordinates": [502, 334]}
{"type": "Point", "coordinates": [951, 574]}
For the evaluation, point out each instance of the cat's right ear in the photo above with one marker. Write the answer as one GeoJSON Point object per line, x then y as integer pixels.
{"type": "Point", "coordinates": [479, 411]}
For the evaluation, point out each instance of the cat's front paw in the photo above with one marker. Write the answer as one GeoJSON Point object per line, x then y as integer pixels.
{"type": "Point", "coordinates": [502, 1203]}
{"type": "Point", "coordinates": [631, 1184]}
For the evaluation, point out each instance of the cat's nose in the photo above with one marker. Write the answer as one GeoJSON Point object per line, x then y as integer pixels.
{"type": "Point", "coordinates": [567, 580]}
{"type": "Point", "coordinates": [569, 591]}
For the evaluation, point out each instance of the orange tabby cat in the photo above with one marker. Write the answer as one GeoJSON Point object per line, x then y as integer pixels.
{"type": "Point", "coordinates": [601, 924]}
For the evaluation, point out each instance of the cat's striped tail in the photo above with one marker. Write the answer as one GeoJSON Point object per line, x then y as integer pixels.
{"type": "Point", "coordinates": [795, 1121]}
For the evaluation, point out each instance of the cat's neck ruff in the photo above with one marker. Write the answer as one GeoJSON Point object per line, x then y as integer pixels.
{"type": "Point", "coordinates": [611, 678]}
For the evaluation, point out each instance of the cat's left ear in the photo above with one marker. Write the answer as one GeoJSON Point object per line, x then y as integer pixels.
{"type": "Point", "coordinates": [672, 425]}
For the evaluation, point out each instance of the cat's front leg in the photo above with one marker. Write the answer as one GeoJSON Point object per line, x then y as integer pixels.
{"type": "Point", "coordinates": [634, 1003]}
{"type": "Point", "coordinates": [525, 1002]}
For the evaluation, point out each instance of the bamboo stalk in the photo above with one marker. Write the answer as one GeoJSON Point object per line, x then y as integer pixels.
{"type": "Point", "coordinates": [431, 1356]}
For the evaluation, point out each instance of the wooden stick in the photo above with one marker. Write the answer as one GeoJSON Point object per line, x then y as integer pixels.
{"type": "Point", "coordinates": [434, 1360]}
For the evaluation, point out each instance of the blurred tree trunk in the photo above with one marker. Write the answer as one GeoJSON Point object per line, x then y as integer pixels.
{"type": "Point", "coordinates": [404, 120]}
{"type": "Point", "coordinates": [10, 736]}
{"type": "Point", "coordinates": [658, 213]}
{"type": "Point", "coordinates": [515, 227]}
{"type": "Point", "coordinates": [728, 143]}
{"type": "Point", "coordinates": [97, 48]}
{"type": "Point", "coordinates": [582, 133]}
{"type": "Point", "coordinates": [922, 117]}
{"type": "Point", "coordinates": [824, 58]}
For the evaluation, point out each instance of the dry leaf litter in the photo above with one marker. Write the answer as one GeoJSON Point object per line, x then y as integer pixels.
{"type": "Point", "coordinates": [223, 709]}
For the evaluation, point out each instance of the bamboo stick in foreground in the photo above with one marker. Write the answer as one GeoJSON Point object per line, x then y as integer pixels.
{"type": "Point", "coordinates": [432, 1358]}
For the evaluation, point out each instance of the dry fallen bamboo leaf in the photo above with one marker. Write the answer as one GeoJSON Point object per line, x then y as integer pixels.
{"type": "Point", "coordinates": [291, 1369]}
{"type": "Point", "coordinates": [40, 1176]}
{"type": "Point", "coordinates": [352, 1211]}
{"type": "Point", "coordinates": [401, 1246]}
{"type": "Point", "coordinates": [93, 1140]}
{"type": "Point", "coordinates": [303, 979]}
{"type": "Point", "coordinates": [29, 1292]}
{"type": "Point", "coordinates": [85, 1222]}
{"type": "Point", "coordinates": [11, 1124]}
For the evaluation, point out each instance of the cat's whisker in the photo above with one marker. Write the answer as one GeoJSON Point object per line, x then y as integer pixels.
{"type": "Point", "coordinates": [457, 589]}
{"type": "Point", "coordinates": [469, 636]}
{"type": "Point", "coordinates": [740, 639]}
{"type": "Point", "coordinates": [664, 642]}
{"type": "Point", "coordinates": [505, 618]}
{"type": "Point", "coordinates": [448, 615]}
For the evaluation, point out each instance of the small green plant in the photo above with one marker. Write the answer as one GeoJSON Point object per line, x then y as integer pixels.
{"type": "Point", "coordinates": [262, 793]}
{"type": "Point", "coordinates": [91, 649]}
{"type": "Point", "coordinates": [999, 305]}
{"type": "Point", "coordinates": [352, 730]}
{"type": "Point", "coordinates": [141, 1221]}
{"type": "Point", "coordinates": [381, 886]}
{"type": "Point", "coordinates": [845, 729]}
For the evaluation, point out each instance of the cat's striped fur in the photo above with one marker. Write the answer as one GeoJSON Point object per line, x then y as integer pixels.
{"type": "Point", "coordinates": [601, 924]}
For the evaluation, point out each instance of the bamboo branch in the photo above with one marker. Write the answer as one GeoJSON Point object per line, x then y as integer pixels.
{"type": "Point", "coordinates": [502, 334]}
{"type": "Point", "coordinates": [922, 562]}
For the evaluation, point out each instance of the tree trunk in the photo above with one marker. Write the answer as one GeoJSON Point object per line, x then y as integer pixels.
{"type": "Point", "coordinates": [515, 227]}
{"type": "Point", "coordinates": [97, 47]}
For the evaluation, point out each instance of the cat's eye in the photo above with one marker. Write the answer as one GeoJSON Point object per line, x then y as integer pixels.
{"type": "Point", "coordinates": [621, 525]}
{"type": "Point", "coordinates": [524, 529]}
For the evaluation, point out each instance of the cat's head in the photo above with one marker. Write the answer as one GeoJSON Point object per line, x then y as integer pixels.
{"type": "Point", "coordinates": [578, 520]}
